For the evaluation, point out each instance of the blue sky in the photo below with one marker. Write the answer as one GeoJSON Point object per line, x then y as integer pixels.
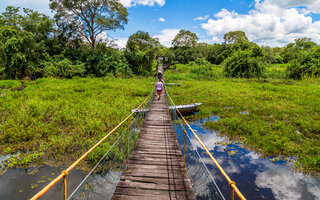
{"type": "Point", "coordinates": [266, 22]}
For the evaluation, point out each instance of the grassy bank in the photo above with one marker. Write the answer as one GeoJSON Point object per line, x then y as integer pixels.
{"type": "Point", "coordinates": [54, 121]}
{"type": "Point", "coordinates": [275, 117]}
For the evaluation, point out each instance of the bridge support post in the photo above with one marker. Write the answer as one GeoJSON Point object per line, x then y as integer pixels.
{"type": "Point", "coordinates": [184, 146]}
{"type": "Point", "coordinates": [232, 194]}
{"type": "Point", "coordinates": [232, 184]}
{"type": "Point", "coordinates": [65, 184]}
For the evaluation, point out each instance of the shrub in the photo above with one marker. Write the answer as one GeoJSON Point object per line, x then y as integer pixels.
{"type": "Point", "coordinates": [242, 65]}
{"type": "Point", "coordinates": [63, 69]}
{"type": "Point", "coordinates": [114, 64]}
{"type": "Point", "coordinates": [201, 61]}
{"type": "Point", "coordinates": [307, 64]}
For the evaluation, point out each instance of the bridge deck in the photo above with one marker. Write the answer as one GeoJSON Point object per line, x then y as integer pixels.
{"type": "Point", "coordinates": [156, 168]}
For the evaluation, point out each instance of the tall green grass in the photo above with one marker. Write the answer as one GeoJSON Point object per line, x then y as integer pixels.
{"type": "Point", "coordinates": [54, 121]}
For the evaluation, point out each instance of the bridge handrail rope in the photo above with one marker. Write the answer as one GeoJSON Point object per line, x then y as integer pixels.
{"type": "Point", "coordinates": [200, 158]}
{"type": "Point", "coordinates": [232, 184]}
{"type": "Point", "coordinates": [64, 173]}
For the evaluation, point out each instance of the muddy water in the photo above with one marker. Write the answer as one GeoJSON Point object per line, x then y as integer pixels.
{"type": "Point", "coordinates": [256, 177]}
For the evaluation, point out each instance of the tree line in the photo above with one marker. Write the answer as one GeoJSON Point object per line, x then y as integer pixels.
{"type": "Point", "coordinates": [33, 45]}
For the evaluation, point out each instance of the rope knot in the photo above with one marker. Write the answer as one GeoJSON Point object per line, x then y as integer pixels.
{"type": "Point", "coordinates": [65, 173]}
{"type": "Point", "coordinates": [232, 183]}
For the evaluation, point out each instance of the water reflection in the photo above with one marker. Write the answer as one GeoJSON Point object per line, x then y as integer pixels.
{"type": "Point", "coordinates": [256, 177]}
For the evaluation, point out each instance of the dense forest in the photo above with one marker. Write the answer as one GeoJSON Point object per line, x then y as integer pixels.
{"type": "Point", "coordinates": [33, 45]}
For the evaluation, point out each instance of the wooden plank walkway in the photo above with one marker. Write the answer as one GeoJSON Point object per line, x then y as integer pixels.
{"type": "Point", "coordinates": [156, 168]}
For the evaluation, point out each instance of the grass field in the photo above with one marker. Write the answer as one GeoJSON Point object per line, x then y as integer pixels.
{"type": "Point", "coordinates": [54, 121]}
{"type": "Point", "coordinates": [273, 116]}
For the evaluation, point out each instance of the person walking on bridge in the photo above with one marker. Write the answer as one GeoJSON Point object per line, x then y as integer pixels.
{"type": "Point", "coordinates": [159, 75]}
{"type": "Point", "coordinates": [159, 86]}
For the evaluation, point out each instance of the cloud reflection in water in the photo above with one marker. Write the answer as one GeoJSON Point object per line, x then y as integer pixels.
{"type": "Point", "coordinates": [256, 177]}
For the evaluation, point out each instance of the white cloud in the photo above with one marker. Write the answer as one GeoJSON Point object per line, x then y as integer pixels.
{"type": "Point", "coordinates": [130, 3]}
{"type": "Point", "coordinates": [311, 5]}
{"type": "Point", "coordinates": [161, 19]}
{"type": "Point", "coordinates": [269, 23]}
{"type": "Point", "coordinates": [201, 18]}
{"type": "Point", "coordinates": [114, 42]}
{"type": "Point", "coordinates": [121, 42]}
{"type": "Point", "coordinates": [285, 185]}
{"type": "Point", "coordinates": [166, 36]}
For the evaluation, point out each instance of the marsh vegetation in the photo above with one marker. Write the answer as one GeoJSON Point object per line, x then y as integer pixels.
{"type": "Point", "coordinates": [276, 117]}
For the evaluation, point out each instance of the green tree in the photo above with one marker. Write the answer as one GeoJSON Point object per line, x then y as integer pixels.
{"type": "Point", "coordinates": [39, 24]}
{"type": "Point", "coordinates": [141, 51]}
{"type": "Point", "coordinates": [185, 39]}
{"type": "Point", "coordinates": [218, 53]}
{"type": "Point", "coordinates": [19, 53]}
{"type": "Point", "coordinates": [92, 16]}
{"type": "Point", "coordinates": [290, 52]}
{"type": "Point", "coordinates": [10, 17]}
{"type": "Point", "coordinates": [306, 64]}
{"type": "Point", "coordinates": [304, 43]}
{"type": "Point", "coordinates": [233, 36]}
{"type": "Point", "coordinates": [113, 63]}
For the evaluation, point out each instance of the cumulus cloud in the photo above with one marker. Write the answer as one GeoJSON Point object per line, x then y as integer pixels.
{"type": "Point", "coordinates": [130, 3]}
{"type": "Point", "coordinates": [166, 36]}
{"type": "Point", "coordinates": [112, 42]}
{"type": "Point", "coordinates": [201, 18]}
{"type": "Point", "coordinates": [311, 5]}
{"type": "Point", "coordinates": [209, 140]}
{"type": "Point", "coordinates": [161, 19]}
{"type": "Point", "coordinates": [270, 23]}
{"type": "Point", "coordinates": [285, 185]}
{"type": "Point", "coordinates": [121, 42]}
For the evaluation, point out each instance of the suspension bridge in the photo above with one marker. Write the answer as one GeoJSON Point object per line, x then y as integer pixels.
{"type": "Point", "coordinates": [153, 164]}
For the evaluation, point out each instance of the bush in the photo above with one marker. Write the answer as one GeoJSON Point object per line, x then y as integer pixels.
{"type": "Point", "coordinates": [307, 64]}
{"type": "Point", "coordinates": [242, 65]}
{"type": "Point", "coordinates": [63, 69]}
{"type": "Point", "coordinates": [201, 61]}
{"type": "Point", "coordinates": [114, 64]}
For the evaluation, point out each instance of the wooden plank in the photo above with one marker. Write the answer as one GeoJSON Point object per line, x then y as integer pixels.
{"type": "Point", "coordinates": [156, 181]}
{"type": "Point", "coordinates": [155, 168]}
{"type": "Point", "coordinates": [156, 162]}
{"type": "Point", "coordinates": [153, 186]}
{"type": "Point", "coordinates": [132, 197]}
{"type": "Point", "coordinates": [139, 193]}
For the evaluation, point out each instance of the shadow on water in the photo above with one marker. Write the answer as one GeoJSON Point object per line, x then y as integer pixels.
{"type": "Point", "coordinates": [256, 177]}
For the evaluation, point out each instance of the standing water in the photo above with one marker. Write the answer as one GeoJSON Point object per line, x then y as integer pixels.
{"type": "Point", "coordinates": [21, 183]}
{"type": "Point", "coordinates": [255, 177]}
{"type": "Point", "coordinates": [25, 183]}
